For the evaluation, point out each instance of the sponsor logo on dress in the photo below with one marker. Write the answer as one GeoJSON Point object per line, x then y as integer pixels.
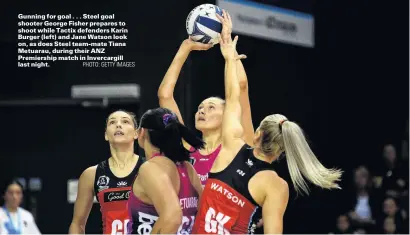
{"type": "Point", "coordinates": [102, 182]}
{"type": "Point", "coordinates": [249, 163]}
{"type": "Point", "coordinates": [116, 196]}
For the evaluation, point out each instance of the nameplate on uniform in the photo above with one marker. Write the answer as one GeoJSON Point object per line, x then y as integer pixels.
{"type": "Point", "coordinates": [116, 195]}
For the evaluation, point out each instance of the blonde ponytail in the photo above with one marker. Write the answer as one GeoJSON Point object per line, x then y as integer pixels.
{"type": "Point", "coordinates": [302, 162]}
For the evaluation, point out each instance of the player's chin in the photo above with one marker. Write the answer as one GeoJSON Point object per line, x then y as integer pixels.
{"type": "Point", "coordinates": [200, 125]}
{"type": "Point", "coordinates": [122, 140]}
{"type": "Point", "coordinates": [204, 127]}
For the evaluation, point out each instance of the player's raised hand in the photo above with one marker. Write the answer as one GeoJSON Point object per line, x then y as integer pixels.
{"type": "Point", "coordinates": [228, 47]}
{"type": "Point", "coordinates": [226, 24]}
{"type": "Point", "coordinates": [196, 46]}
{"type": "Point", "coordinates": [226, 21]}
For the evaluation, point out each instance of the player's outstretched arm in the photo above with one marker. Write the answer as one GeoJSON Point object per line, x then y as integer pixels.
{"type": "Point", "coordinates": [84, 202]}
{"type": "Point", "coordinates": [167, 87]}
{"type": "Point", "coordinates": [246, 118]}
{"type": "Point", "coordinates": [231, 123]}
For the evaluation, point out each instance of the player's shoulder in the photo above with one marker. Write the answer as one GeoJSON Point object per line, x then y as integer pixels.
{"type": "Point", "coordinates": [90, 170]}
{"type": "Point", "coordinates": [272, 180]}
{"type": "Point", "coordinates": [152, 166]}
{"type": "Point", "coordinates": [89, 174]}
{"type": "Point", "coordinates": [159, 167]}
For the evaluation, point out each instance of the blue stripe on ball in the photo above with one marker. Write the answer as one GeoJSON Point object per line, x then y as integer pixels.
{"type": "Point", "coordinates": [210, 23]}
{"type": "Point", "coordinates": [196, 30]}
{"type": "Point", "coordinates": [206, 39]}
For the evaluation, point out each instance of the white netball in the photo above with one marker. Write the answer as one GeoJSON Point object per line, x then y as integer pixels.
{"type": "Point", "coordinates": [203, 25]}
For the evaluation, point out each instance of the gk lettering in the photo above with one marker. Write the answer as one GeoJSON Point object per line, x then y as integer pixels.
{"type": "Point", "coordinates": [214, 223]}
{"type": "Point", "coordinates": [118, 227]}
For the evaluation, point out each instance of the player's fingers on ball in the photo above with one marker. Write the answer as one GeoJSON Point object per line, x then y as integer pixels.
{"type": "Point", "coordinates": [225, 14]}
{"type": "Point", "coordinates": [229, 17]}
{"type": "Point", "coordinates": [206, 46]}
{"type": "Point", "coordinates": [202, 46]}
{"type": "Point", "coordinates": [219, 17]}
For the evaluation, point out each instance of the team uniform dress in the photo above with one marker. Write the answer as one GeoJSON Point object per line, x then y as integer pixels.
{"type": "Point", "coordinates": [203, 163]}
{"type": "Point", "coordinates": [112, 193]}
{"type": "Point", "coordinates": [143, 216]}
{"type": "Point", "coordinates": [226, 206]}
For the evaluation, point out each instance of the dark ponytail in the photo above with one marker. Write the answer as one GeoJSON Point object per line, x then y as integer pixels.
{"type": "Point", "coordinates": [166, 133]}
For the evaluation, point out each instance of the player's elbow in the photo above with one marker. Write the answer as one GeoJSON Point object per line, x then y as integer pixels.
{"type": "Point", "coordinates": [243, 85]}
{"type": "Point", "coordinates": [273, 225]}
{"type": "Point", "coordinates": [175, 222]}
{"type": "Point", "coordinates": [165, 91]}
{"type": "Point", "coordinates": [164, 94]}
{"type": "Point", "coordinates": [76, 227]}
{"type": "Point", "coordinates": [275, 228]}
{"type": "Point", "coordinates": [173, 219]}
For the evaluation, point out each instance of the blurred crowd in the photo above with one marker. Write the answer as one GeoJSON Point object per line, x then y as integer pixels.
{"type": "Point", "coordinates": [379, 199]}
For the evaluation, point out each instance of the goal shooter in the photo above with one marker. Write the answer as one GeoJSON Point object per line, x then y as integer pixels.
{"type": "Point", "coordinates": [77, 23]}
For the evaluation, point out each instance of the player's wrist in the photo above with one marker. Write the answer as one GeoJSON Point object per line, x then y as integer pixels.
{"type": "Point", "coordinates": [186, 46]}
{"type": "Point", "coordinates": [230, 58]}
